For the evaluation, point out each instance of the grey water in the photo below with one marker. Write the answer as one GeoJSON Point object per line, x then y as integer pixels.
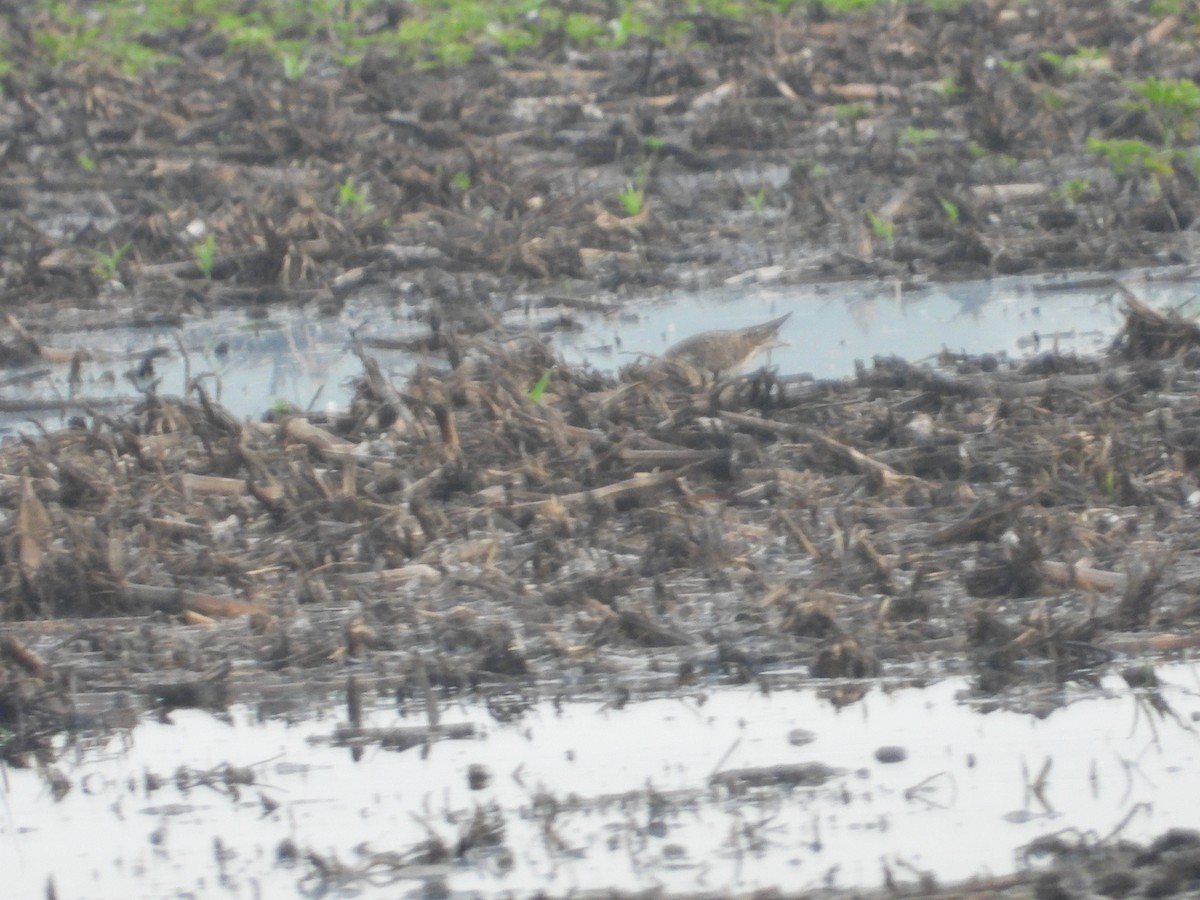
{"type": "Point", "coordinates": [305, 361]}
{"type": "Point", "coordinates": [592, 796]}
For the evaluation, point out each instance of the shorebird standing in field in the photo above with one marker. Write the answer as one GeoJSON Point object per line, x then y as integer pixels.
{"type": "Point", "coordinates": [727, 351]}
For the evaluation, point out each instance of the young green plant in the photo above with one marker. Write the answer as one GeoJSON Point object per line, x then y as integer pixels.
{"type": "Point", "coordinates": [633, 198]}
{"type": "Point", "coordinates": [107, 264]}
{"type": "Point", "coordinates": [206, 252]}
{"type": "Point", "coordinates": [536, 392]}
{"type": "Point", "coordinates": [355, 197]}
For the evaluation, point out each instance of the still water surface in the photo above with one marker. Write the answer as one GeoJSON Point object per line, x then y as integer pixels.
{"type": "Point", "coordinates": [305, 361]}
{"type": "Point", "coordinates": [593, 797]}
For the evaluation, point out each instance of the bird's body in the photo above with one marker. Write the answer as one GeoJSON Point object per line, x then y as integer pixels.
{"type": "Point", "coordinates": [726, 351]}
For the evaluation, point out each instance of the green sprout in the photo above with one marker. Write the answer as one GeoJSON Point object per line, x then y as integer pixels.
{"type": "Point", "coordinates": [758, 200]}
{"type": "Point", "coordinates": [949, 88]}
{"type": "Point", "coordinates": [536, 392]}
{"type": "Point", "coordinates": [87, 163]}
{"type": "Point", "coordinates": [583, 30]}
{"type": "Point", "coordinates": [1052, 99]}
{"type": "Point", "coordinates": [206, 255]}
{"type": "Point", "coordinates": [917, 137]}
{"type": "Point", "coordinates": [1071, 191]}
{"type": "Point", "coordinates": [852, 112]}
{"type": "Point", "coordinates": [809, 168]}
{"type": "Point", "coordinates": [462, 181]}
{"type": "Point", "coordinates": [633, 198]}
{"type": "Point", "coordinates": [107, 264]}
{"type": "Point", "coordinates": [1128, 156]}
{"type": "Point", "coordinates": [1055, 60]}
{"type": "Point", "coordinates": [627, 25]}
{"type": "Point", "coordinates": [881, 227]}
{"type": "Point", "coordinates": [1173, 102]}
{"type": "Point", "coordinates": [1085, 59]}
{"type": "Point", "coordinates": [294, 65]}
{"type": "Point", "coordinates": [355, 197]}
{"type": "Point", "coordinates": [950, 209]}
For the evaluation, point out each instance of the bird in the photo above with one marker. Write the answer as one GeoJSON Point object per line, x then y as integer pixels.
{"type": "Point", "coordinates": [726, 351]}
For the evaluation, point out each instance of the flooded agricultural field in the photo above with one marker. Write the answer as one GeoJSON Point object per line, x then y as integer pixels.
{"type": "Point", "coordinates": [703, 790]}
{"type": "Point", "coordinates": [605, 450]}
{"type": "Point", "coordinates": [290, 359]}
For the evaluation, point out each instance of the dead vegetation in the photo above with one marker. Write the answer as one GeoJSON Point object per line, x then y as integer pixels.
{"type": "Point", "coordinates": [908, 143]}
{"type": "Point", "coordinates": [452, 533]}
{"type": "Point", "coordinates": [454, 527]}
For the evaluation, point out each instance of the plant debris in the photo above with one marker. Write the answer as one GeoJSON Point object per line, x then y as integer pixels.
{"type": "Point", "coordinates": [500, 519]}
{"type": "Point", "coordinates": [1040, 526]}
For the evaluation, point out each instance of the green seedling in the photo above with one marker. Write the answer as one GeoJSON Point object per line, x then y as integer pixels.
{"type": "Point", "coordinates": [917, 137]}
{"type": "Point", "coordinates": [583, 30]}
{"type": "Point", "coordinates": [1192, 157]}
{"type": "Point", "coordinates": [294, 65]}
{"type": "Point", "coordinates": [107, 264]}
{"type": "Point", "coordinates": [513, 39]}
{"type": "Point", "coordinates": [87, 163]}
{"type": "Point", "coordinates": [462, 181]}
{"type": "Point", "coordinates": [206, 252]}
{"type": "Point", "coordinates": [950, 209]}
{"type": "Point", "coordinates": [1072, 191]}
{"type": "Point", "coordinates": [1130, 157]}
{"type": "Point", "coordinates": [1086, 59]}
{"type": "Point", "coordinates": [440, 39]}
{"type": "Point", "coordinates": [629, 24]}
{"type": "Point", "coordinates": [633, 198]}
{"type": "Point", "coordinates": [1078, 63]}
{"type": "Point", "coordinates": [758, 200]}
{"type": "Point", "coordinates": [949, 88]}
{"type": "Point", "coordinates": [881, 227]}
{"type": "Point", "coordinates": [852, 112]}
{"type": "Point", "coordinates": [654, 144]}
{"type": "Point", "coordinates": [1053, 100]}
{"type": "Point", "coordinates": [844, 6]}
{"type": "Point", "coordinates": [810, 168]}
{"type": "Point", "coordinates": [1055, 60]}
{"type": "Point", "coordinates": [1173, 102]}
{"type": "Point", "coordinates": [432, 33]}
{"type": "Point", "coordinates": [355, 197]}
{"type": "Point", "coordinates": [536, 392]}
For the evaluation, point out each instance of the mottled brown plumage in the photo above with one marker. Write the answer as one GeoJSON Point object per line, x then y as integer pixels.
{"type": "Point", "coordinates": [720, 352]}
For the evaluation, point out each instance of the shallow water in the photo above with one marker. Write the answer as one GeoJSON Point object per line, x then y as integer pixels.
{"type": "Point", "coordinates": [306, 362]}
{"type": "Point", "coordinates": [592, 796]}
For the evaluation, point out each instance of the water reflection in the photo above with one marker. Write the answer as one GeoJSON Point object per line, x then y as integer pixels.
{"type": "Point", "coordinates": [728, 789]}
{"type": "Point", "coordinates": [291, 358]}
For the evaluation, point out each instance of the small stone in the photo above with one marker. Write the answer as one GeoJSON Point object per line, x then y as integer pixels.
{"type": "Point", "coordinates": [891, 754]}
{"type": "Point", "coordinates": [478, 777]}
{"type": "Point", "coordinates": [798, 737]}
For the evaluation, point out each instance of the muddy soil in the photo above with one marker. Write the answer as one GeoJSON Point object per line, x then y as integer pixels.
{"type": "Point", "coordinates": [907, 143]}
{"type": "Point", "coordinates": [461, 532]}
